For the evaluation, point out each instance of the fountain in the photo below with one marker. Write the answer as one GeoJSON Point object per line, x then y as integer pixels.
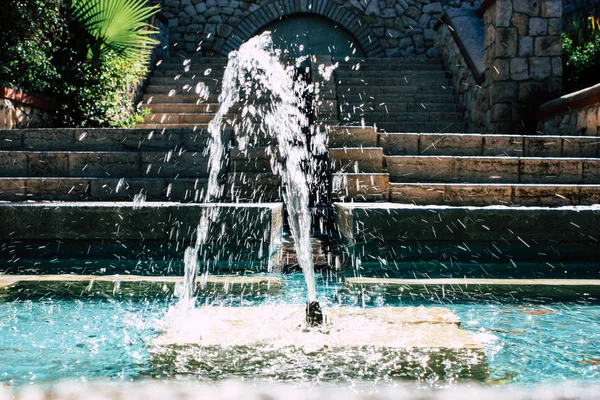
{"type": "Point", "coordinates": [274, 109]}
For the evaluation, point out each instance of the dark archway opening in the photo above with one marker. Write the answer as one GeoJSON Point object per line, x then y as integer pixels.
{"type": "Point", "coordinates": [303, 34]}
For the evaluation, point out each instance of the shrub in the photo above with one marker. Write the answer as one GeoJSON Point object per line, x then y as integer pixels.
{"type": "Point", "coordinates": [31, 33]}
{"type": "Point", "coordinates": [102, 95]}
{"type": "Point", "coordinates": [89, 55]}
{"type": "Point", "coordinates": [581, 50]}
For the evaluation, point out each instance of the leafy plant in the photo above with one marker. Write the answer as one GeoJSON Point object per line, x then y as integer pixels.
{"type": "Point", "coordinates": [30, 36]}
{"type": "Point", "coordinates": [581, 50]}
{"type": "Point", "coordinates": [102, 95]}
{"type": "Point", "coordinates": [116, 27]}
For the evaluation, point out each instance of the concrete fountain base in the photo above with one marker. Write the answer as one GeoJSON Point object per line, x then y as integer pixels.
{"type": "Point", "coordinates": [410, 342]}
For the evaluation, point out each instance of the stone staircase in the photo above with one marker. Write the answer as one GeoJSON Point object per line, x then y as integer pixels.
{"type": "Point", "coordinates": [397, 95]}
{"type": "Point", "coordinates": [103, 164]}
{"type": "Point", "coordinates": [395, 135]}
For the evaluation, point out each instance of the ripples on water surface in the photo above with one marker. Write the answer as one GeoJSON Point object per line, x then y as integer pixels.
{"type": "Point", "coordinates": [43, 341]}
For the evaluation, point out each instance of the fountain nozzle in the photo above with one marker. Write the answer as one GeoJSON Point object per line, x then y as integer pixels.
{"type": "Point", "coordinates": [314, 314]}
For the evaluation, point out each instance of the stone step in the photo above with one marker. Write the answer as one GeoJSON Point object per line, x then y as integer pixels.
{"type": "Point", "coordinates": [209, 81]}
{"type": "Point", "coordinates": [187, 98]}
{"type": "Point", "coordinates": [414, 126]}
{"type": "Point", "coordinates": [191, 62]}
{"type": "Point", "coordinates": [177, 108]}
{"type": "Point", "coordinates": [102, 189]}
{"type": "Point", "coordinates": [177, 118]}
{"type": "Point", "coordinates": [357, 160]}
{"type": "Point", "coordinates": [104, 237]}
{"type": "Point", "coordinates": [178, 89]}
{"type": "Point", "coordinates": [462, 169]}
{"type": "Point", "coordinates": [372, 106]}
{"type": "Point", "coordinates": [105, 139]}
{"type": "Point", "coordinates": [466, 144]}
{"type": "Point", "coordinates": [130, 286]}
{"type": "Point", "coordinates": [465, 241]}
{"type": "Point", "coordinates": [401, 81]}
{"type": "Point", "coordinates": [348, 187]}
{"type": "Point", "coordinates": [116, 164]}
{"type": "Point", "coordinates": [173, 73]}
{"type": "Point", "coordinates": [375, 91]}
{"type": "Point", "coordinates": [457, 194]}
{"type": "Point", "coordinates": [254, 187]}
{"type": "Point", "coordinates": [380, 65]}
{"type": "Point", "coordinates": [356, 98]}
{"type": "Point", "coordinates": [470, 288]}
{"type": "Point", "coordinates": [352, 160]}
{"type": "Point", "coordinates": [378, 72]}
{"type": "Point", "coordinates": [351, 136]}
{"type": "Point", "coordinates": [371, 117]}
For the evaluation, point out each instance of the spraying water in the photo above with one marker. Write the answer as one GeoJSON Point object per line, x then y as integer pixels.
{"type": "Point", "coordinates": [272, 112]}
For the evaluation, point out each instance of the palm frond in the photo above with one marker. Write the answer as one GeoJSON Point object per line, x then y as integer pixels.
{"type": "Point", "coordinates": [117, 26]}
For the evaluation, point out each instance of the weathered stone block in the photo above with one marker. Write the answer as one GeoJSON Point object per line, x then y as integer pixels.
{"type": "Point", "coordinates": [420, 169]}
{"type": "Point", "coordinates": [417, 194]}
{"type": "Point", "coordinates": [48, 164]}
{"type": "Point", "coordinates": [519, 69]}
{"type": "Point", "coordinates": [542, 147]}
{"type": "Point", "coordinates": [503, 91]}
{"type": "Point", "coordinates": [500, 145]}
{"type": "Point", "coordinates": [529, 7]}
{"type": "Point", "coordinates": [521, 22]}
{"type": "Point", "coordinates": [506, 42]}
{"type": "Point", "coordinates": [500, 70]}
{"type": "Point", "coordinates": [503, 14]}
{"type": "Point", "coordinates": [552, 8]}
{"type": "Point", "coordinates": [536, 195]}
{"type": "Point", "coordinates": [591, 171]}
{"type": "Point", "coordinates": [487, 170]}
{"type": "Point", "coordinates": [551, 171]}
{"type": "Point", "coordinates": [478, 195]}
{"type": "Point", "coordinates": [548, 46]}
{"type": "Point", "coordinates": [540, 67]}
{"type": "Point", "coordinates": [399, 144]}
{"type": "Point", "coordinates": [525, 46]}
{"type": "Point", "coordinates": [538, 26]}
{"type": "Point", "coordinates": [555, 26]}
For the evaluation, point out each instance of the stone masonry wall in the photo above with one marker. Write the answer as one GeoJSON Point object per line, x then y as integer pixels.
{"type": "Point", "coordinates": [383, 27]}
{"type": "Point", "coordinates": [521, 65]}
{"type": "Point", "coordinates": [470, 96]}
{"type": "Point", "coordinates": [523, 62]}
{"type": "Point", "coordinates": [573, 114]}
{"type": "Point", "coordinates": [19, 110]}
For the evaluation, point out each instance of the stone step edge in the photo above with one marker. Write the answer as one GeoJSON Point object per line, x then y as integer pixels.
{"type": "Point", "coordinates": [495, 158]}
{"type": "Point", "coordinates": [396, 206]}
{"type": "Point", "coordinates": [473, 281]}
{"type": "Point", "coordinates": [481, 288]}
{"type": "Point", "coordinates": [6, 280]}
{"type": "Point", "coordinates": [459, 184]}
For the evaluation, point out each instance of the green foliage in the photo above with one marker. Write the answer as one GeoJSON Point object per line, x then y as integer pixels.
{"type": "Point", "coordinates": [581, 51]}
{"type": "Point", "coordinates": [116, 26]}
{"type": "Point", "coordinates": [30, 36]}
{"type": "Point", "coordinates": [101, 95]}
{"type": "Point", "coordinates": [89, 56]}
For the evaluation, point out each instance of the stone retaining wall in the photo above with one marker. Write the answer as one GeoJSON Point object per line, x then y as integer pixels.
{"type": "Point", "coordinates": [573, 114]}
{"type": "Point", "coordinates": [464, 78]}
{"type": "Point", "coordinates": [19, 110]}
{"type": "Point", "coordinates": [382, 27]}
{"type": "Point", "coordinates": [520, 63]}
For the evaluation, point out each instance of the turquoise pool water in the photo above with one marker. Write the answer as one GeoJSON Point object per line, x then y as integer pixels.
{"type": "Point", "coordinates": [49, 339]}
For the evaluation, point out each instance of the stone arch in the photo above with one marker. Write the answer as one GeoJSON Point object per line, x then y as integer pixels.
{"type": "Point", "coordinates": [277, 9]}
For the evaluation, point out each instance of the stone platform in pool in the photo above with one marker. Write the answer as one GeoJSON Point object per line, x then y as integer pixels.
{"type": "Point", "coordinates": [114, 237]}
{"type": "Point", "coordinates": [386, 233]}
{"type": "Point", "coordinates": [411, 339]}
{"type": "Point", "coordinates": [86, 286]}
